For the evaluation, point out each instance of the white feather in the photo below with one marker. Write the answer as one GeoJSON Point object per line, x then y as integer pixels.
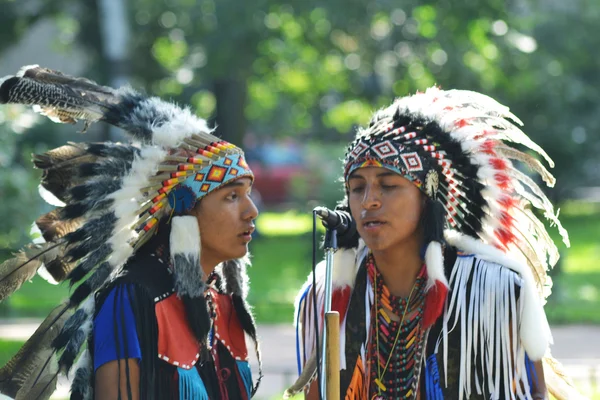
{"type": "Point", "coordinates": [38, 238]}
{"type": "Point", "coordinates": [49, 197]}
{"type": "Point", "coordinates": [128, 200]}
{"type": "Point", "coordinates": [181, 124]}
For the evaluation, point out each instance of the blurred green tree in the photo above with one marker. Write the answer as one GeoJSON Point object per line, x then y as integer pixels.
{"type": "Point", "coordinates": [315, 69]}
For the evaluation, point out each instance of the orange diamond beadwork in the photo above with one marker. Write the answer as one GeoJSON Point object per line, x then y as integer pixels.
{"type": "Point", "coordinates": [205, 187]}
{"type": "Point", "coordinates": [228, 161]}
{"type": "Point", "coordinates": [199, 177]}
{"type": "Point", "coordinates": [242, 163]}
{"type": "Point", "coordinates": [216, 174]}
{"type": "Point", "coordinates": [233, 172]}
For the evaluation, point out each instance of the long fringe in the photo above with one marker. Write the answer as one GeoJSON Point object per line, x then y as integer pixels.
{"type": "Point", "coordinates": [485, 306]}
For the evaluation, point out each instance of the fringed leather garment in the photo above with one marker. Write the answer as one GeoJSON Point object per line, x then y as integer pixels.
{"type": "Point", "coordinates": [467, 352]}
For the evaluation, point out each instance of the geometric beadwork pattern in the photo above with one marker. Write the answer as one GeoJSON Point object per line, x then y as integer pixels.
{"type": "Point", "coordinates": [358, 150]}
{"type": "Point", "coordinates": [385, 149]}
{"type": "Point", "coordinates": [217, 174]}
{"type": "Point", "coordinates": [412, 161]}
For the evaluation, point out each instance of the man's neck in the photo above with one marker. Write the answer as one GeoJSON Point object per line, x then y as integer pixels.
{"type": "Point", "coordinates": [208, 265]}
{"type": "Point", "coordinates": [400, 266]}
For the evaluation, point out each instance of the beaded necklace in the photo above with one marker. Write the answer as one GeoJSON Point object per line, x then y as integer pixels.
{"type": "Point", "coordinates": [396, 346]}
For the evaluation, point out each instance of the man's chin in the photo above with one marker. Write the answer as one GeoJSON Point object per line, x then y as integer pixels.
{"type": "Point", "coordinates": [241, 253]}
{"type": "Point", "coordinates": [377, 244]}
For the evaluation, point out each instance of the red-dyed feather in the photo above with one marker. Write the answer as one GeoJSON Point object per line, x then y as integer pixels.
{"type": "Point", "coordinates": [507, 202]}
{"type": "Point", "coordinates": [461, 123]}
{"type": "Point", "coordinates": [504, 236]}
{"type": "Point", "coordinates": [434, 303]}
{"type": "Point", "coordinates": [506, 220]}
{"type": "Point", "coordinates": [498, 163]}
{"type": "Point", "coordinates": [502, 180]}
{"type": "Point", "coordinates": [340, 299]}
{"type": "Point", "coordinates": [489, 147]}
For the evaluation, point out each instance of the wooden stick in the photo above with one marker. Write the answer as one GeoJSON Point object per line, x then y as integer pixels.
{"type": "Point", "coordinates": [332, 324]}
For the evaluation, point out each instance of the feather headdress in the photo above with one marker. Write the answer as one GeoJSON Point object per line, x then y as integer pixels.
{"type": "Point", "coordinates": [112, 196]}
{"type": "Point", "coordinates": [460, 148]}
{"type": "Point", "coordinates": [455, 146]}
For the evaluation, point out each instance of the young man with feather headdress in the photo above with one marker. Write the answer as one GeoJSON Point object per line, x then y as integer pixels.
{"type": "Point", "coordinates": [440, 295]}
{"type": "Point", "coordinates": [156, 236]}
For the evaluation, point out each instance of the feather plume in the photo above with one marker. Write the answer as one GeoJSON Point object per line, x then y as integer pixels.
{"type": "Point", "coordinates": [73, 347]}
{"type": "Point", "coordinates": [95, 189]}
{"type": "Point", "coordinates": [17, 377]}
{"type": "Point", "coordinates": [533, 163]}
{"type": "Point", "coordinates": [60, 97]}
{"type": "Point", "coordinates": [81, 386]}
{"type": "Point", "coordinates": [94, 282]}
{"type": "Point", "coordinates": [24, 265]}
{"type": "Point", "coordinates": [558, 381]}
{"type": "Point", "coordinates": [309, 373]}
{"type": "Point", "coordinates": [114, 150]}
{"type": "Point", "coordinates": [61, 168]}
{"type": "Point", "coordinates": [95, 257]}
{"type": "Point", "coordinates": [112, 167]}
{"type": "Point", "coordinates": [54, 227]}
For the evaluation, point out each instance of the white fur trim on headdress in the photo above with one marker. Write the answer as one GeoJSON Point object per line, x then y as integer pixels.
{"type": "Point", "coordinates": [185, 236]}
{"type": "Point", "coordinates": [434, 261]}
{"type": "Point", "coordinates": [185, 253]}
{"type": "Point", "coordinates": [180, 125]}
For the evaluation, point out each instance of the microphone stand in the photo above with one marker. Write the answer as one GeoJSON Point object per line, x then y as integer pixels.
{"type": "Point", "coordinates": [330, 357]}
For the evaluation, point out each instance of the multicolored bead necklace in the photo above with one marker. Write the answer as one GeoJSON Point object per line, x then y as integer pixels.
{"type": "Point", "coordinates": [400, 367]}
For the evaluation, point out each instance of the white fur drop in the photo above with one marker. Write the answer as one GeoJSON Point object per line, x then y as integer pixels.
{"type": "Point", "coordinates": [185, 236]}
{"type": "Point", "coordinates": [434, 261]}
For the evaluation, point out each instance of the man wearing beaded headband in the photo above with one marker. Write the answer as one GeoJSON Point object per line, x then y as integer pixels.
{"type": "Point", "coordinates": [160, 232]}
{"type": "Point", "coordinates": [440, 295]}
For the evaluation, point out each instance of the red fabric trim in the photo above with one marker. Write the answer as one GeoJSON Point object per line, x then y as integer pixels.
{"type": "Point", "coordinates": [228, 329]}
{"type": "Point", "coordinates": [176, 343]}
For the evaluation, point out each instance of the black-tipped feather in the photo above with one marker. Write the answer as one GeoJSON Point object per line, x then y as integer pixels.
{"type": "Point", "coordinates": [137, 120]}
{"type": "Point", "coordinates": [91, 284]}
{"type": "Point", "coordinates": [114, 150]}
{"type": "Point", "coordinates": [71, 325]}
{"type": "Point", "coordinates": [59, 268]}
{"type": "Point", "coordinates": [89, 263]}
{"type": "Point", "coordinates": [82, 383]}
{"type": "Point", "coordinates": [100, 228]}
{"type": "Point", "coordinates": [61, 168]}
{"type": "Point", "coordinates": [111, 167]}
{"type": "Point", "coordinates": [77, 210]}
{"type": "Point", "coordinates": [67, 358]}
{"type": "Point", "coordinates": [95, 189]}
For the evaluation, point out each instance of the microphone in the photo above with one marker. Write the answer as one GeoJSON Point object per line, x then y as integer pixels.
{"type": "Point", "coordinates": [341, 221]}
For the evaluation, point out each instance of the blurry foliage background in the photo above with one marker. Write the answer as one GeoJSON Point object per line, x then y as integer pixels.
{"type": "Point", "coordinates": [313, 71]}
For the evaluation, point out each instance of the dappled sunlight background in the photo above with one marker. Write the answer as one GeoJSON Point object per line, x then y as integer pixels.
{"type": "Point", "coordinates": [291, 82]}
